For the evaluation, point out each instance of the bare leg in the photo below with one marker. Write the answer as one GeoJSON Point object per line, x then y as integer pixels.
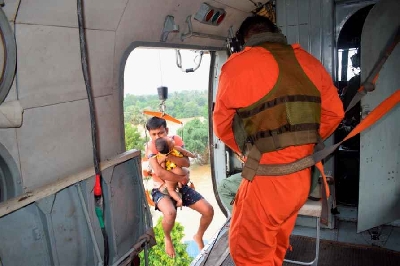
{"type": "Point", "coordinates": [169, 214]}
{"type": "Point", "coordinates": [171, 187]}
{"type": "Point", "coordinates": [207, 214]}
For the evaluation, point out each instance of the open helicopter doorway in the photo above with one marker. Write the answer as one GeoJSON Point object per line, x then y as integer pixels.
{"type": "Point", "coordinates": [186, 75]}
{"type": "Point", "coordinates": [347, 157]}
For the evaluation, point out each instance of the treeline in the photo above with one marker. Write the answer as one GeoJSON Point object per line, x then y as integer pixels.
{"type": "Point", "coordinates": [185, 104]}
{"type": "Point", "coordinates": [179, 105]}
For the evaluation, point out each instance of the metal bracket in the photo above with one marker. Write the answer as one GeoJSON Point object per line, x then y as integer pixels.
{"type": "Point", "coordinates": [162, 107]}
{"type": "Point", "coordinates": [169, 26]}
{"type": "Point", "coordinates": [191, 33]}
{"type": "Point", "coordinates": [187, 70]}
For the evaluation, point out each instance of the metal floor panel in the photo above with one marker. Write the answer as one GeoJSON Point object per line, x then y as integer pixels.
{"type": "Point", "coordinates": [334, 253]}
{"type": "Point", "coordinates": [346, 248]}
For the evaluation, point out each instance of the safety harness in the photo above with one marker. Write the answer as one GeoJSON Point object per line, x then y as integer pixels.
{"type": "Point", "coordinates": [243, 128]}
{"type": "Point", "coordinates": [288, 115]}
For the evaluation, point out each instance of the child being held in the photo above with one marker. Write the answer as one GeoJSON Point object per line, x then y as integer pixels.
{"type": "Point", "coordinates": [166, 146]}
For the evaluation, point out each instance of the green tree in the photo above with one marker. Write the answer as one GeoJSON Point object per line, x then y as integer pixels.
{"type": "Point", "coordinates": [191, 109]}
{"type": "Point", "coordinates": [157, 255]}
{"type": "Point", "coordinates": [179, 104]}
{"type": "Point", "coordinates": [204, 111]}
{"type": "Point", "coordinates": [133, 140]}
{"type": "Point", "coordinates": [133, 115]}
{"type": "Point", "coordinates": [195, 135]}
{"type": "Point", "coordinates": [129, 100]}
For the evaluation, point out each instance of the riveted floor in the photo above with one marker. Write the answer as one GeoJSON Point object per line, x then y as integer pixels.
{"type": "Point", "coordinates": [333, 253]}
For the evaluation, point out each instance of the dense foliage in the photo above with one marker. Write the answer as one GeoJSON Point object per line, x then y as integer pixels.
{"type": "Point", "coordinates": [179, 104]}
{"type": "Point", "coordinates": [186, 104]}
{"type": "Point", "coordinates": [133, 140]}
{"type": "Point", "coordinates": [195, 136]}
{"type": "Point", "coordinates": [157, 255]}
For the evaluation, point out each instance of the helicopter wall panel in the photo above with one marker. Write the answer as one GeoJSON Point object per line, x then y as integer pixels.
{"type": "Point", "coordinates": [304, 40]}
{"type": "Point", "coordinates": [379, 196]}
{"type": "Point", "coordinates": [292, 34]}
{"type": "Point", "coordinates": [125, 205]}
{"type": "Point", "coordinates": [315, 33]}
{"type": "Point", "coordinates": [101, 54]}
{"type": "Point", "coordinates": [99, 14]}
{"type": "Point", "coordinates": [22, 238]}
{"type": "Point", "coordinates": [303, 12]}
{"type": "Point", "coordinates": [311, 22]}
{"type": "Point", "coordinates": [107, 111]}
{"type": "Point", "coordinates": [65, 225]}
{"type": "Point", "coordinates": [49, 64]}
{"type": "Point", "coordinates": [54, 229]}
{"type": "Point", "coordinates": [48, 12]}
{"type": "Point", "coordinates": [246, 6]}
{"type": "Point", "coordinates": [327, 35]}
{"type": "Point", "coordinates": [54, 142]}
{"type": "Point", "coordinates": [151, 24]}
{"type": "Point", "coordinates": [291, 7]}
{"type": "Point", "coordinates": [10, 8]}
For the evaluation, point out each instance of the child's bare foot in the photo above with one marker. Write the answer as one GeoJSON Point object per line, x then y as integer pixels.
{"type": "Point", "coordinates": [169, 247]}
{"type": "Point", "coordinates": [199, 241]}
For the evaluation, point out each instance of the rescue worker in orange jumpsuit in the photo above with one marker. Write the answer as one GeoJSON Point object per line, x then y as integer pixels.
{"type": "Point", "coordinates": [284, 97]}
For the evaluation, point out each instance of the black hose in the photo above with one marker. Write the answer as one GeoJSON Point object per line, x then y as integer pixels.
{"type": "Point", "coordinates": [86, 76]}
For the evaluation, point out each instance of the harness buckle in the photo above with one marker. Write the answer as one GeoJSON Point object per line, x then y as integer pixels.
{"type": "Point", "coordinates": [252, 163]}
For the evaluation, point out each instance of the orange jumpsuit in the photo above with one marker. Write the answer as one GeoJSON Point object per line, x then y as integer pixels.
{"type": "Point", "coordinates": [265, 209]}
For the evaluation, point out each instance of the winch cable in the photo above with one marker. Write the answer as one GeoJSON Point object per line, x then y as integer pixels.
{"type": "Point", "coordinates": [97, 191]}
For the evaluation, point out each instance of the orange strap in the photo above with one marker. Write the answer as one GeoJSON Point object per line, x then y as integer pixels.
{"type": "Point", "coordinates": [376, 114]}
{"type": "Point", "coordinates": [383, 108]}
{"type": "Point", "coordinates": [317, 157]}
{"type": "Point", "coordinates": [162, 115]}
